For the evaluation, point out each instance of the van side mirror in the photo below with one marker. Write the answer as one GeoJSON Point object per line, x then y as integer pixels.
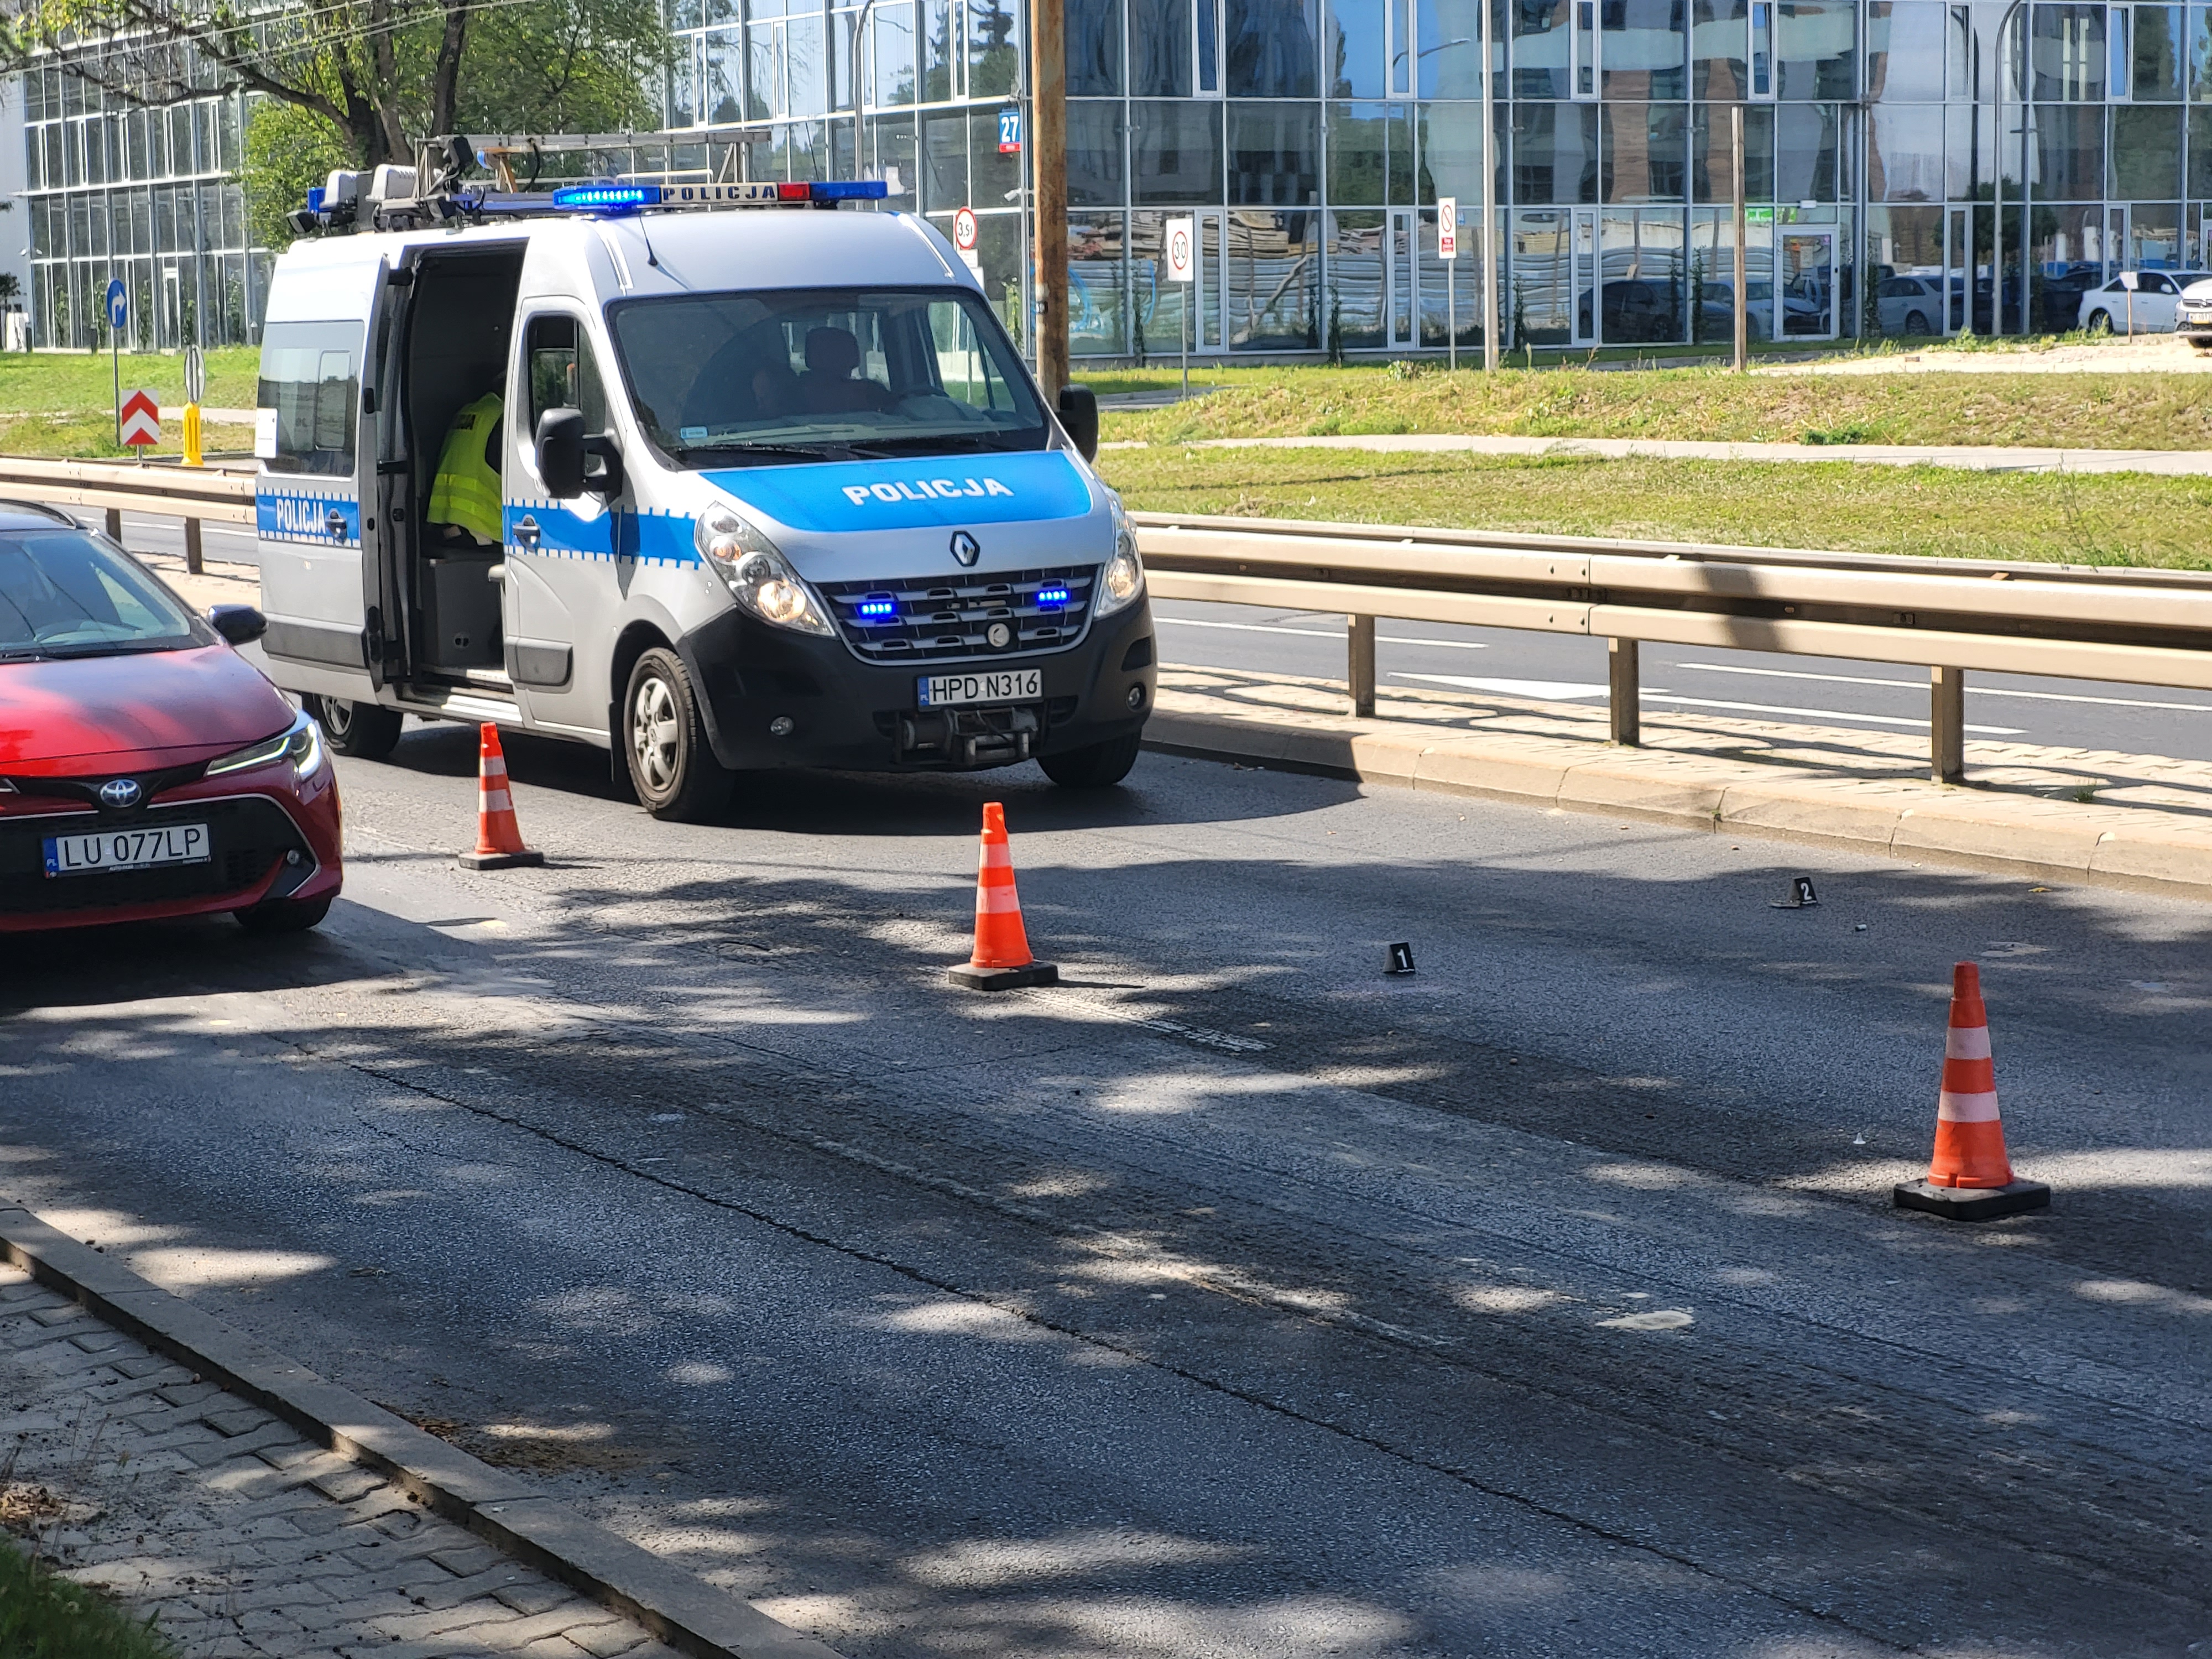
{"type": "Point", "coordinates": [561, 453]}
{"type": "Point", "coordinates": [241, 624]}
{"type": "Point", "coordinates": [1079, 413]}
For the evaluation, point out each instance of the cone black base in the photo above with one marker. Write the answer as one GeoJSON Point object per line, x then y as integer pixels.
{"type": "Point", "coordinates": [1002, 979]}
{"type": "Point", "coordinates": [528, 856]}
{"type": "Point", "coordinates": [1972, 1203]}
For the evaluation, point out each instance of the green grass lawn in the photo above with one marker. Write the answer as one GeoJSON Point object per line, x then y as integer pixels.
{"type": "Point", "coordinates": [2105, 411]}
{"type": "Point", "coordinates": [43, 1617]}
{"type": "Point", "coordinates": [2106, 519]}
{"type": "Point", "coordinates": [54, 382]}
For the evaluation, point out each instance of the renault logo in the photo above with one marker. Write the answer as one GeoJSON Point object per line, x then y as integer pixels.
{"type": "Point", "coordinates": [120, 793]}
{"type": "Point", "coordinates": [965, 547]}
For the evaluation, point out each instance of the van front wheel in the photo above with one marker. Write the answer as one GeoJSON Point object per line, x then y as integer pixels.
{"type": "Point", "coordinates": [674, 771]}
{"type": "Point", "coordinates": [364, 729]}
{"type": "Point", "coordinates": [1096, 766]}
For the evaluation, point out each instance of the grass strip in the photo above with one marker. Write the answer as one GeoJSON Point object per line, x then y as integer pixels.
{"type": "Point", "coordinates": [80, 383]}
{"type": "Point", "coordinates": [2115, 411]}
{"type": "Point", "coordinates": [46, 1617]}
{"type": "Point", "coordinates": [2109, 519]}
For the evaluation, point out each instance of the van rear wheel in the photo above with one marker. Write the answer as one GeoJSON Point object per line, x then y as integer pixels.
{"type": "Point", "coordinates": [671, 764]}
{"type": "Point", "coordinates": [360, 729]}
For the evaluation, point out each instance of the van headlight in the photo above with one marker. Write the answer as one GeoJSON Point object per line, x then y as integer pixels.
{"type": "Point", "coordinates": [1122, 583]}
{"type": "Point", "coordinates": [756, 574]}
{"type": "Point", "coordinates": [300, 742]}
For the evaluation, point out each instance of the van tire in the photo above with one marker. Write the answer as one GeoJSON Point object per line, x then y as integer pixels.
{"type": "Point", "coordinates": [363, 729]}
{"type": "Point", "coordinates": [1097, 766]}
{"type": "Point", "coordinates": [671, 766]}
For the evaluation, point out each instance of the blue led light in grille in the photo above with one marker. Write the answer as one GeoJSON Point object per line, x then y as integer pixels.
{"type": "Point", "coordinates": [875, 609]}
{"type": "Point", "coordinates": [1053, 597]}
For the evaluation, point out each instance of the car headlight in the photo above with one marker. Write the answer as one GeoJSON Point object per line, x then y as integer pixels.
{"type": "Point", "coordinates": [756, 574]}
{"type": "Point", "coordinates": [1122, 583]}
{"type": "Point", "coordinates": [300, 742]}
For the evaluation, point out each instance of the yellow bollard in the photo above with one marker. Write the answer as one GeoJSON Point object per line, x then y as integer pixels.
{"type": "Point", "coordinates": [192, 434]}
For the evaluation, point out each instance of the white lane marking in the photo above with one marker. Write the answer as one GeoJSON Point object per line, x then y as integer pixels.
{"type": "Point", "coordinates": [1544, 690]}
{"type": "Point", "coordinates": [1565, 691]}
{"type": "Point", "coordinates": [1921, 685]}
{"type": "Point", "coordinates": [1321, 633]}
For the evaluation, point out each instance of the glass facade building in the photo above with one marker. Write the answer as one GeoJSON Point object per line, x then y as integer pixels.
{"type": "Point", "coordinates": [1911, 165]}
{"type": "Point", "coordinates": [1899, 153]}
{"type": "Point", "coordinates": [117, 190]}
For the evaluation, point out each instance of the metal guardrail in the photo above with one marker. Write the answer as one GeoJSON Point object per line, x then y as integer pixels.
{"type": "Point", "coordinates": [193, 493]}
{"type": "Point", "coordinates": [2137, 626]}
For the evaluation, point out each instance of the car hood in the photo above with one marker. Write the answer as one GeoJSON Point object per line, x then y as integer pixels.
{"type": "Point", "coordinates": [133, 711]}
{"type": "Point", "coordinates": [2198, 291]}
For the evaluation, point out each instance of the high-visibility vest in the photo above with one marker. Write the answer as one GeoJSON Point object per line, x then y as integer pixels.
{"type": "Point", "coordinates": [466, 492]}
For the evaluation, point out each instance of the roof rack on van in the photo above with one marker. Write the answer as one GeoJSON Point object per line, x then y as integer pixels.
{"type": "Point", "coordinates": [439, 188]}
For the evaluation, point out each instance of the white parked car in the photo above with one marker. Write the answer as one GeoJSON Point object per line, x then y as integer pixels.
{"type": "Point", "coordinates": [2133, 302]}
{"type": "Point", "coordinates": [1911, 305]}
{"type": "Point", "coordinates": [2192, 318]}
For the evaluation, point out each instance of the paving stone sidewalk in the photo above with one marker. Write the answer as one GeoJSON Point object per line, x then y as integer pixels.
{"type": "Point", "coordinates": [241, 1537]}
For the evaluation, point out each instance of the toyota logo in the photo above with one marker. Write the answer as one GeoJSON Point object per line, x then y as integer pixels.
{"type": "Point", "coordinates": [965, 548]}
{"type": "Point", "coordinates": [120, 793]}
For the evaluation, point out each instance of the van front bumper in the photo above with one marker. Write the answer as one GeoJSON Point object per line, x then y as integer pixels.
{"type": "Point", "coordinates": [859, 716]}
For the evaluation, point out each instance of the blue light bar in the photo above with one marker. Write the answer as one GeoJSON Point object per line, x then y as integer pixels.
{"type": "Point", "coordinates": [851, 189]}
{"type": "Point", "coordinates": [1053, 597]}
{"type": "Point", "coordinates": [315, 194]}
{"type": "Point", "coordinates": [877, 608]}
{"type": "Point", "coordinates": [605, 199]}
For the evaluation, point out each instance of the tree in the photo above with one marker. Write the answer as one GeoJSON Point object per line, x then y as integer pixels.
{"type": "Point", "coordinates": [289, 150]}
{"type": "Point", "coordinates": [380, 75]}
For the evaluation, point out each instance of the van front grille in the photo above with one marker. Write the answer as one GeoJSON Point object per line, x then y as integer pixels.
{"type": "Point", "coordinates": [923, 619]}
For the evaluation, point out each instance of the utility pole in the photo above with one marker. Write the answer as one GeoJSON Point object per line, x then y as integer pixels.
{"type": "Point", "coordinates": [1741, 301]}
{"type": "Point", "coordinates": [1049, 169]}
{"type": "Point", "coordinates": [1489, 200]}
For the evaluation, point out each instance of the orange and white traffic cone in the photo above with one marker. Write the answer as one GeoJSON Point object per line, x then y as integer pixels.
{"type": "Point", "coordinates": [1970, 1178]}
{"type": "Point", "coordinates": [1001, 961]}
{"type": "Point", "coordinates": [499, 837]}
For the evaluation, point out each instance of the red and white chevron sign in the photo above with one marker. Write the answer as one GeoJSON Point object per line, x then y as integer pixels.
{"type": "Point", "coordinates": [141, 418]}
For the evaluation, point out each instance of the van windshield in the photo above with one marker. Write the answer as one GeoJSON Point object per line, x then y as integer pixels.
{"type": "Point", "coordinates": [769, 377]}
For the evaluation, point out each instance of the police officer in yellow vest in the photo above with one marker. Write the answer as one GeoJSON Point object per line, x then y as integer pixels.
{"type": "Point", "coordinates": [465, 494]}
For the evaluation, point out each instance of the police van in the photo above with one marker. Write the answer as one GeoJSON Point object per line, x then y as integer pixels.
{"type": "Point", "coordinates": [706, 476]}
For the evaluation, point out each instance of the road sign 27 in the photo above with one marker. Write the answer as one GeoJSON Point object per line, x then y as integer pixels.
{"type": "Point", "coordinates": [141, 419]}
{"type": "Point", "coordinates": [1009, 132]}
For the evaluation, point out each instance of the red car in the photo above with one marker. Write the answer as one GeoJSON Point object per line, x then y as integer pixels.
{"type": "Point", "coordinates": [147, 770]}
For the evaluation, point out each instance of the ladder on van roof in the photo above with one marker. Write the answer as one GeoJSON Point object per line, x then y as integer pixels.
{"type": "Point", "coordinates": [538, 174]}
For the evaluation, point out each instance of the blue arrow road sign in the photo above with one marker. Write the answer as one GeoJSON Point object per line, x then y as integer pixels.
{"type": "Point", "coordinates": [119, 307]}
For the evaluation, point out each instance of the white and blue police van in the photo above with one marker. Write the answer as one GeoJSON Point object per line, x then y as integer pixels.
{"type": "Point", "coordinates": [775, 489]}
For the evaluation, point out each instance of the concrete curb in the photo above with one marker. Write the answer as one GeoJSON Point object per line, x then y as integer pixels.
{"type": "Point", "coordinates": [507, 1513]}
{"type": "Point", "coordinates": [2138, 848]}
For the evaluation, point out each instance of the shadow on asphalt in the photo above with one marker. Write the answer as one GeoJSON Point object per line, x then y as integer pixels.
{"type": "Point", "coordinates": [803, 801]}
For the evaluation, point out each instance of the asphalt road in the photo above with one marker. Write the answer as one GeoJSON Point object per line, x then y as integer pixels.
{"type": "Point", "coordinates": [1232, 1298]}
{"type": "Point", "coordinates": [1555, 668]}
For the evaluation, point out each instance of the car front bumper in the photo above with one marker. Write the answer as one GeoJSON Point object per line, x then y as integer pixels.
{"type": "Point", "coordinates": [271, 840]}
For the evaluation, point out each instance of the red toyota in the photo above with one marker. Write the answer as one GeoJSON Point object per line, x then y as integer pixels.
{"type": "Point", "coordinates": [147, 770]}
